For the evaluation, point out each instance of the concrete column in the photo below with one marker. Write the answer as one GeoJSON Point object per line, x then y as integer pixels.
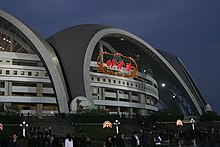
{"type": "Point", "coordinates": [101, 50]}
{"type": "Point", "coordinates": [8, 92]}
{"type": "Point", "coordinates": [118, 99]}
{"type": "Point", "coordinates": [102, 95]}
{"type": "Point", "coordinates": [142, 101]}
{"type": "Point", "coordinates": [130, 100]}
{"type": "Point", "coordinates": [11, 44]}
{"type": "Point", "coordinates": [39, 94]}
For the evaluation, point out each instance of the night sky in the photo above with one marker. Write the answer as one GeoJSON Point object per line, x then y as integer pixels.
{"type": "Point", "coordinates": [189, 29]}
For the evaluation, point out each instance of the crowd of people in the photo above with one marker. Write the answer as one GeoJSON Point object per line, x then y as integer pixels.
{"type": "Point", "coordinates": [170, 138]}
{"type": "Point", "coordinates": [43, 140]}
{"type": "Point", "coordinates": [143, 139]}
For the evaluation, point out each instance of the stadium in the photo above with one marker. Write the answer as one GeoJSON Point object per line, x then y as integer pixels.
{"type": "Point", "coordinates": [90, 66]}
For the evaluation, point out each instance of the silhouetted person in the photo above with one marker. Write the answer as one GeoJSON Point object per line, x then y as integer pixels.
{"type": "Point", "coordinates": [14, 141]}
{"type": "Point", "coordinates": [40, 140]}
{"type": "Point", "coordinates": [212, 137]}
{"type": "Point", "coordinates": [24, 141]}
{"type": "Point", "coordinates": [109, 141]}
{"type": "Point", "coordinates": [121, 140]}
{"type": "Point", "coordinates": [68, 141]}
{"type": "Point", "coordinates": [33, 141]}
{"type": "Point", "coordinates": [135, 140]}
{"type": "Point", "coordinates": [53, 142]}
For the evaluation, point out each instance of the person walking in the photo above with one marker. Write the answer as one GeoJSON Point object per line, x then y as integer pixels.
{"type": "Point", "coordinates": [121, 140]}
{"type": "Point", "coordinates": [135, 141]}
{"type": "Point", "coordinates": [14, 142]}
{"type": "Point", "coordinates": [53, 142]}
{"type": "Point", "coordinates": [68, 141]}
{"type": "Point", "coordinates": [212, 137]}
{"type": "Point", "coordinates": [157, 139]}
{"type": "Point", "coordinates": [109, 142]}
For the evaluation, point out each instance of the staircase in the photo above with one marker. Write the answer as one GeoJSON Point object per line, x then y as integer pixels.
{"type": "Point", "coordinates": [58, 126]}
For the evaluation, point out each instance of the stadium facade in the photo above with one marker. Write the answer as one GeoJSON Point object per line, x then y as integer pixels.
{"type": "Point", "coordinates": [90, 67]}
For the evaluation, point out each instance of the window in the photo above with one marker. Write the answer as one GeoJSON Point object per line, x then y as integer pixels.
{"type": "Point", "coordinates": [103, 80]}
{"type": "Point", "coordinates": [0, 71]}
{"type": "Point", "coordinates": [132, 84]}
{"type": "Point", "coordinates": [8, 61]}
{"type": "Point", "coordinates": [22, 72]}
{"type": "Point", "coordinates": [29, 73]}
{"type": "Point", "coordinates": [114, 81]}
{"type": "Point", "coordinates": [36, 74]}
{"type": "Point", "coordinates": [45, 74]}
{"type": "Point", "coordinates": [119, 82]}
{"type": "Point", "coordinates": [92, 78]}
{"type": "Point", "coordinates": [109, 80]}
{"type": "Point", "coordinates": [15, 72]}
{"type": "Point", "coordinates": [98, 79]}
{"type": "Point", "coordinates": [0, 60]}
{"type": "Point", "coordinates": [7, 72]}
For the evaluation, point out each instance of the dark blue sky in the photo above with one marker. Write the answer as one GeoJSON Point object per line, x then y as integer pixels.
{"type": "Point", "coordinates": [189, 29]}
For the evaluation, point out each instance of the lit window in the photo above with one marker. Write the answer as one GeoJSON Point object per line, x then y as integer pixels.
{"type": "Point", "coordinates": [36, 74]}
{"type": "Point", "coordinates": [15, 72]}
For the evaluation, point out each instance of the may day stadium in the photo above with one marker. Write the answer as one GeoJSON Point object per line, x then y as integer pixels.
{"type": "Point", "coordinates": [88, 67]}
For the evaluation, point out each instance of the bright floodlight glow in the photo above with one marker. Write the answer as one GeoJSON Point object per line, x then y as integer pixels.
{"type": "Point", "coordinates": [163, 84]}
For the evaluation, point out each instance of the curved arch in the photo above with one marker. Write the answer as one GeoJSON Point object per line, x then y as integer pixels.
{"type": "Point", "coordinates": [100, 34]}
{"type": "Point", "coordinates": [47, 54]}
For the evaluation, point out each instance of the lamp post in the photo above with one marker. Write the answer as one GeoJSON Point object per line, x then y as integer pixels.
{"type": "Point", "coordinates": [193, 128]}
{"type": "Point", "coordinates": [193, 123]}
{"type": "Point", "coordinates": [24, 125]}
{"type": "Point", "coordinates": [117, 123]}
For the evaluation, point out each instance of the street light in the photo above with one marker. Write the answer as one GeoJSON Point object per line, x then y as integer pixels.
{"type": "Point", "coordinates": [193, 127]}
{"type": "Point", "coordinates": [24, 125]}
{"type": "Point", "coordinates": [163, 84]}
{"type": "Point", "coordinates": [193, 123]}
{"type": "Point", "coordinates": [117, 123]}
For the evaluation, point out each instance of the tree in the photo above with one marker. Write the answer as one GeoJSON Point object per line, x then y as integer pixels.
{"type": "Point", "coordinates": [165, 115]}
{"type": "Point", "coordinates": [210, 116]}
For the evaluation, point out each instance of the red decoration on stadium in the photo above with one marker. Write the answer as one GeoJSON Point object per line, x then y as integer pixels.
{"type": "Point", "coordinates": [115, 63]}
{"type": "Point", "coordinates": [107, 124]}
{"type": "Point", "coordinates": [1, 126]}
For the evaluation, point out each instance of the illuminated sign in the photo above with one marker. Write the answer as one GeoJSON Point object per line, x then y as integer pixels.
{"type": "Point", "coordinates": [179, 122]}
{"type": "Point", "coordinates": [1, 126]}
{"type": "Point", "coordinates": [107, 124]}
{"type": "Point", "coordinates": [117, 64]}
